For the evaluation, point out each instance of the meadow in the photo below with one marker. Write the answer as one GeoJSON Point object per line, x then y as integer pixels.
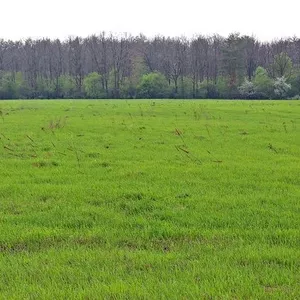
{"type": "Point", "coordinates": [149, 199]}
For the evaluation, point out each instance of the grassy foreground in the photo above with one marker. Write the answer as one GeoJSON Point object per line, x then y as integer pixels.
{"type": "Point", "coordinates": [150, 199]}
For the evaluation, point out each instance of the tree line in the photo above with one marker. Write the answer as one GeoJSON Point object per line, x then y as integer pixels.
{"type": "Point", "coordinates": [125, 66]}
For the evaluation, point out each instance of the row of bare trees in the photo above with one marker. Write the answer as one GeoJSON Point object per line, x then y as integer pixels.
{"type": "Point", "coordinates": [203, 66]}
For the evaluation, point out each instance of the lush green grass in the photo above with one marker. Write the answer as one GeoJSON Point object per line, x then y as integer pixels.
{"type": "Point", "coordinates": [150, 199]}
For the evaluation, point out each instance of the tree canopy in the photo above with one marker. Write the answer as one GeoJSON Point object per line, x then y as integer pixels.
{"type": "Point", "coordinates": [113, 66]}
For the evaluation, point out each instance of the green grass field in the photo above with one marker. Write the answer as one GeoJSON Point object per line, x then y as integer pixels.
{"type": "Point", "coordinates": [149, 199]}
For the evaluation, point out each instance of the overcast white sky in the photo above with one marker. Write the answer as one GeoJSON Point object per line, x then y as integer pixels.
{"type": "Point", "coordinates": [265, 19]}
